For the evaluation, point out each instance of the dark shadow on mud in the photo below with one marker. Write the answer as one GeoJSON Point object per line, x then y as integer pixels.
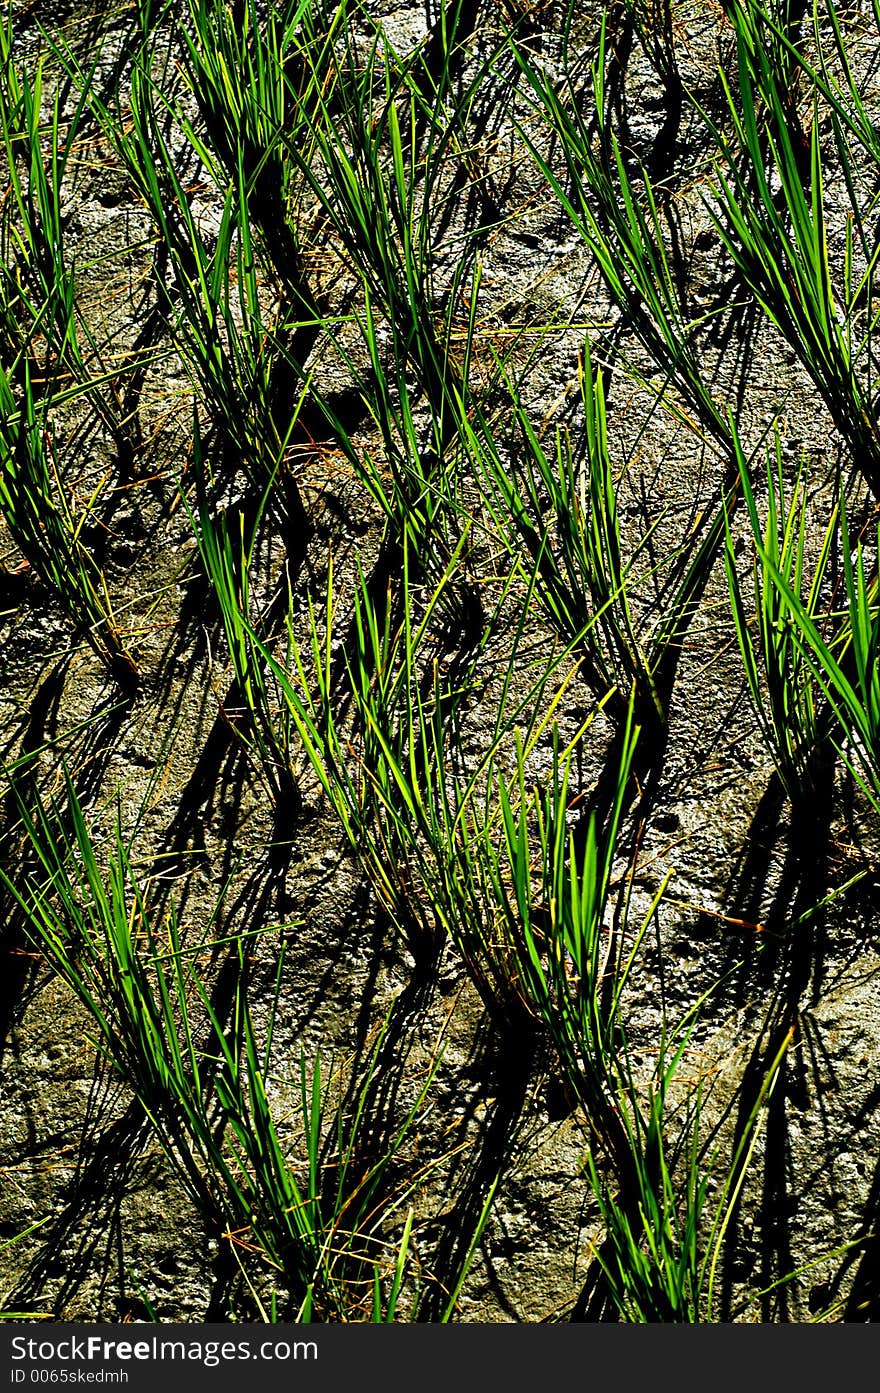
{"type": "Point", "coordinates": [502, 1068]}
{"type": "Point", "coordinates": [217, 782]}
{"type": "Point", "coordinates": [786, 973]}
{"type": "Point", "coordinates": [81, 1241]}
{"type": "Point", "coordinates": [863, 1304]}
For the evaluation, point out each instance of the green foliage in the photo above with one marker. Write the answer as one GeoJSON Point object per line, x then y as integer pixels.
{"type": "Point", "coordinates": [583, 582]}
{"type": "Point", "coordinates": [616, 215]}
{"type": "Point", "coordinates": [845, 667]}
{"type": "Point", "coordinates": [204, 1082]}
{"type": "Point", "coordinates": [43, 360]}
{"type": "Point", "coordinates": [421, 822]}
{"type": "Point", "coordinates": [664, 1234]}
{"type": "Point", "coordinates": [572, 963]}
{"type": "Point", "coordinates": [785, 695]}
{"type": "Point", "coordinates": [773, 222]}
{"type": "Point", "coordinates": [452, 756]}
{"type": "Point", "coordinates": [41, 519]}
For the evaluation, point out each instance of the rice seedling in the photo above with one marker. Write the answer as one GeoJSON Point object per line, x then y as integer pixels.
{"type": "Point", "coordinates": [418, 820]}
{"type": "Point", "coordinates": [204, 1083]}
{"type": "Point", "coordinates": [42, 323]}
{"type": "Point", "coordinates": [787, 700]}
{"type": "Point", "coordinates": [233, 345]}
{"type": "Point", "coordinates": [238, 69]}
{"type": "Point", "coordinates": [237, 72]}
{"type": "Point", "coordinates": [771, 217]}
{"type": "Point", "coordinates": [42, 522]}
{"type": "Point", "coordinates": [381, 190]}
{"type": "Point", "coordinates": [43, 364]}
{"type": "Point", "coordinates": [573, 957]}
{"type": "Point", "coordinates": [845, 665]}
{"type": "Point", "coordinates": [364, 106]}
{"type": "Point", "coordinates": [659, 1255]}
{"type": "Point", "coordinates": [572, 965]}
{"type": "Point", "coordinates": [583, 582]}
{"type": "Point", "coordinates": [619, 221]}
{"type": "Point", "coordinates": [664, 1240]}
{"type": "Point", "coordinates": [381, 675]}
{"type": "Point", "coordinates": [227, 541]}
{"type": "Point", "coordinates": [37, 281]}
{"type": "Point", "coordinates": [289, 106]}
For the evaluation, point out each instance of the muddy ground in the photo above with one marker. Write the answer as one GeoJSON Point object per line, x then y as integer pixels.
{"type": "Point", "coordinates": [117, 1239]}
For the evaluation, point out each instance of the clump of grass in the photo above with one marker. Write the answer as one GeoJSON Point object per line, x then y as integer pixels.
{"type": "Point", "coordinates": [41, 320]}
{"type": "Point", "coordinates": [845, 665]}
{"type": "Point", "coordinates": [773, 223]}
{"type": "Point", "coordinates": [379, 766]}
{"type": "Point", "coordinates": [574, 955]}
{"type": "Point", "coordinates": [299, 103]}
{"type": "Point", "coordinates": [44, 526]}
{"type": "Point", "coordinates": [204, 1082]}
{"type": "Point", "coordinates": [583, 582]}
{"type": "Point", "coordinates": [388, 144]}
{"type": "Point", "coordinates": [243, 71]}
{"type": "Point", "coordinates": [665, 1236]}
{"type": "Point", "coordinates": [228, 320]}
{"type": "Point", "coordinates": [654, 22]}
{"type": "Point", "coordinates": [788, 702]}
{"type": "Point", "coordinates": [417, 819]}
{"type": "Point", "coordinates": [43, 362]}
{"type": "Point", "coordinates": [381, 134]}
{"type": "Point", "coordinates": [227, 541]}
{"type": "Point", "coordinates": [572, 964]}
{"type": "Point", "coordinates": [618, 219]}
